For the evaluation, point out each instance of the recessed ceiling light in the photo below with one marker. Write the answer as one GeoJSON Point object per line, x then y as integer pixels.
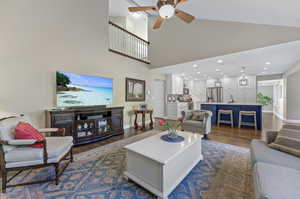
{"type": "Point", "coordinates": [198, 72]}
{"type": "Point", "coordinates": [183, 74]}
{"type": "Point", "coordinates": [218, 70]}
{"type": "Point", "coordinates": [220, 61]}
{"type": "Point", "coordinates": [195, 65]}
{"type": "Point", "coordinates": [242, 71]}
{"type": "Point", "coordinates": [265, 68]}
{"type": "Point", "coordinates": [268, 63]}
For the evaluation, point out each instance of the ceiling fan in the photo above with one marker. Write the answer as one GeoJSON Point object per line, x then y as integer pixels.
{"type": "Point", "coordinates": [166, 9]}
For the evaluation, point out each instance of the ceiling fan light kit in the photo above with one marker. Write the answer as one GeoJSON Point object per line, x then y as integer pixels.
{"type": "Point", "coordinates": [166, 10]}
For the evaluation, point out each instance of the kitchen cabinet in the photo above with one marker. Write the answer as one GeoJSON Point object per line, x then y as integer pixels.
{"type": "Point", "coordinates": [174, 109]}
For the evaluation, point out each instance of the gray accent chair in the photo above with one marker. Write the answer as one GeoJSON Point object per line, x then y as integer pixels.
{"type": "Point", "coordinates": [17, 155]}
{"type": "Point", "coordinates": [275, 174]}
{"type": "Point", "coordinates": [202, 126]}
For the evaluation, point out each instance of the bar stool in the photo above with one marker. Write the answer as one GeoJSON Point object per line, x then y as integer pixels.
{"type": "Point", "coordinates": [225, 112]}
{"type": "Point", "coordinates": [248, 113]}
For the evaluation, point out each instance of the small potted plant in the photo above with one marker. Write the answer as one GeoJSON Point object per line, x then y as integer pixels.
{"type": "Point", "coordinates": [172, 128]}
{"type": "Point", "coordinates": [264, 100]}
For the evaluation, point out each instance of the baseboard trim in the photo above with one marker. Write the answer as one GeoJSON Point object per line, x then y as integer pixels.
{"type": "Point", "coordinates": [286, 120]}
{"type": "Point", "coordinates": [292, 121]}
{"type": "Point", "coordinates": [268, 111]}
{"type": "Point", "coordinates": [126, 126]}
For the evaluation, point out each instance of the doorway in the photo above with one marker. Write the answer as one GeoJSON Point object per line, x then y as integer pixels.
{"type": "Point", "coordinates": [158, 98]}
{"type": "Point", "coordinates": [270, 94]}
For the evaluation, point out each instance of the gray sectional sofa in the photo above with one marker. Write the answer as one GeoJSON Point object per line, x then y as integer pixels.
{"type": "Point", "coordinates": [276, 175]}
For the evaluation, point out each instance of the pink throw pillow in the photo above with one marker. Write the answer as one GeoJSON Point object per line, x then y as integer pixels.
{"type": "Point", "coordinates": [26, 131]}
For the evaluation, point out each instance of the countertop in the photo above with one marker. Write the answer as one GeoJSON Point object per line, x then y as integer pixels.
{"type": "Point", "coordinates": [236, 103]}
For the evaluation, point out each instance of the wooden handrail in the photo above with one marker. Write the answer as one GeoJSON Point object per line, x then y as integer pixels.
{"type": "Point", "coordinates": [123, 29]}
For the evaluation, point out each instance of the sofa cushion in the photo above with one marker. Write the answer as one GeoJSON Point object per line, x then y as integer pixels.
{"type": "Point", "coordinates": [198, 116]}
{"type": "Point", "coordinates": [275, 182]}
{"type": "Point", "coordinates": [56, 146]}
{"type": "Point", "coordinates": [25, 131]}
{"type": "Point", "coordinates": [287, 140]}
{"type": "Point", "coordinates": [7, 132]}
{"type": "Point", "coordinates": [260, 152]}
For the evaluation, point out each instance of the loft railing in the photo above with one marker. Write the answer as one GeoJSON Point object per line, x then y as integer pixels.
{"type": "Point", "coordinates": [125, 43]}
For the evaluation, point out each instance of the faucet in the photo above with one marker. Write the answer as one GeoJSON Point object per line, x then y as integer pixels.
{"type": "Point", "coordinates": [231, 99]}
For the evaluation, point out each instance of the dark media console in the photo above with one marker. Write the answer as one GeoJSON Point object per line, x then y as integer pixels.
{"type": "Point", "coordinates": [87, 124]}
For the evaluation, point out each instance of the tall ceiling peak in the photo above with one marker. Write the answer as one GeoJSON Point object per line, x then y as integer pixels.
{"type": "Point", "coordinates": [269, 12]}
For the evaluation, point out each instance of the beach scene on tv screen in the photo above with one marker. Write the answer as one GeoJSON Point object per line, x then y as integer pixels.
{"type": "Point", "coordinates": [83, 90]}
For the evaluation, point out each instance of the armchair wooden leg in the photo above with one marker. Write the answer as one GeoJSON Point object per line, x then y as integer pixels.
{"type": "Point", "coordinates": [255, 122]}
{"type": "Point", "coordinates": [240, 120]}
{"type": "Point", "coordinates": [56, 166]}
{"type": "Point", "coordinates": [4, 181]}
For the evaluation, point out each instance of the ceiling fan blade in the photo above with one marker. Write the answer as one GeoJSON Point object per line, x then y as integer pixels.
{"type": "Point", "coordinates": [184, 16]}
{"type": "Point", "coordinates": [158, 23]}
{"type": "Point", "coordinates": [142, 8]}
{"type": "Point", "coordinates": [180, 1]}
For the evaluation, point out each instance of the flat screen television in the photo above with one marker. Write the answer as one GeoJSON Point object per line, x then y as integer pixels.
{"type": "Point", "coordinates": [82, 90]}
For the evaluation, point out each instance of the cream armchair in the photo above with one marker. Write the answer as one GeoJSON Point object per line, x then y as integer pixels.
{"type": "Point", "coordinates": [17, 155]}
{"type": "Point", "coordinates": [197, 121]}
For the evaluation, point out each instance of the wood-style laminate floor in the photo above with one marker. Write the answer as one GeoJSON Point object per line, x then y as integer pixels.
{"type": "Point", "coordinates": [224, 134]}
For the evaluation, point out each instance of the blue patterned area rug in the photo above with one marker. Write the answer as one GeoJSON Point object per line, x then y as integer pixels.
{"type": "Point", "coordinates": [102, 178]}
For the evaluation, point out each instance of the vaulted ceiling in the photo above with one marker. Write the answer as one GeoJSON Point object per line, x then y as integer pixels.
{"type": "Point", "coordinates": [222, 27]}
{"type": "Point", "coordinates": [177, 42]}
{"type": "Point", "coordinates": [271, 12]}
{"type": "Point", "coordinates": [275, 59]}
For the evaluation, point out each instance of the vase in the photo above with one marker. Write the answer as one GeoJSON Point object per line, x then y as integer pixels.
{"type": "Point", "coordinates": [172, 133]}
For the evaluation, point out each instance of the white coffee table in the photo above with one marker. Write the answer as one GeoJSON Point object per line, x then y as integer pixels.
{"type": "Point", "coordinates": [160, 166]}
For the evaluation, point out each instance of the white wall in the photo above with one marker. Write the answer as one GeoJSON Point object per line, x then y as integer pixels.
{"type": "Point", "coordinates": [136, 23]}
{"type": "Point", "coordinates": [293, 97]}
{"type": "Point", "coordinates": [119, 20]}
{"type": "Point", "coordinates": [40, 37]}
{"type": "Point", "coordinates": [178, 42]}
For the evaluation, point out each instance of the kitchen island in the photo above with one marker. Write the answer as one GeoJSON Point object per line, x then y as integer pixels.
{"type": "Point", "coordinates": [236, 108]}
